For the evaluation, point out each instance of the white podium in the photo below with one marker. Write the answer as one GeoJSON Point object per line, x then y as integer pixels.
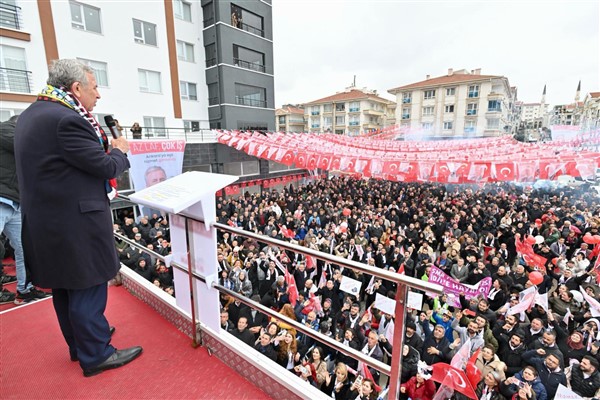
{"type": "Point", "coordinates": [189, 199]}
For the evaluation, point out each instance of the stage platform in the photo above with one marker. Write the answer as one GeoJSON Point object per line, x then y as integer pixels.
{"type": "Point", "coordinates": [35, 364]}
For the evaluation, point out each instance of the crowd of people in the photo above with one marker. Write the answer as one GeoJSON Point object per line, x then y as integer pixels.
{"type": "Point", "coordinates": [469, 233]}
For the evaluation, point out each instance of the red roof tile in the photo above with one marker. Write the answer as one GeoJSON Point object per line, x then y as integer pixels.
{"type": "Point", "coordinates": [445, 80]}
{"type": "Point", "coordinates": [594, 94]}
{"type": "Point", "coordinates": [353, 94]}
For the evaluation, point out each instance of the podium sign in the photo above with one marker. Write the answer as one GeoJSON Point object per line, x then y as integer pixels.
{"type": "Point", "coordinates": [191, 194]}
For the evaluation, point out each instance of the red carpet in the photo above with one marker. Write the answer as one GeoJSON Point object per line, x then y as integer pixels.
{"type": "Point", "coordinates": [34, 359]}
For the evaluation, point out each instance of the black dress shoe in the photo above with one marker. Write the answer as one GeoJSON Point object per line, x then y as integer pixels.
{"type": "Point", "coordinates": [118, 359]}
{"type": "Point", "coordinates": [74, 355]}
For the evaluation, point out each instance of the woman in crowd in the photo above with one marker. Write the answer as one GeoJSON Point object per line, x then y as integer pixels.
{"type": "Point", "coordinates": [318, 365]}
{"type": "Point", "coordinates": [337, 386]}
{"type": "Point", "coordinates": [242, 284]}
{"type": "Point", "coordinates": [363, 389]}
{"type": "Point", "coordinates": [287, 353]}
{"type": "Point", "coordinates": [498, 294]}
{"type": "Point", "coordinates": [136, 131]}
{"type": "Point", "coordinates": [527, 377]}
{"type": "Point", "coordinates": [488, 361]}
{"type": "Point", "coordinates": [489, 387]}
{"type": "Point", "coordinates": [419, 386]}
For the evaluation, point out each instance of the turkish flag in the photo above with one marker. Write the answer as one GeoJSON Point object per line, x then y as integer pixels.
{"type": "Point", "coordinates": [454, 378]}
{"type": "Point", "coordinates": [552, 169]}
{"type": "Point", "coordinates": [292, 290]}
{"type": "Point", "coordinates": [335, 163]}
{"type": "Point", "coordinates": [347, 164]}
{"type": "Point", "coordinates": [301, 159]}
{"type": "Point", "coordinates": [288, 158]}
{"type": "Point", "coordinates": [311, 162]}
{"type": "Point", "coordinates": [503, 171]}
{"type": "Point", "coordinates": [391, 167]}
{"type": "Point", "coordinates": [324, 161]}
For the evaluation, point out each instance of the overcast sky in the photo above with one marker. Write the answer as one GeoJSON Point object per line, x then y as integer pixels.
{"type": "Point", "coordinates": [319, 45]}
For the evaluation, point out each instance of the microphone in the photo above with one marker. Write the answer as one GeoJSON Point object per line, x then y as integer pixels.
{"type": "Point", "coordinates": [112, 126]}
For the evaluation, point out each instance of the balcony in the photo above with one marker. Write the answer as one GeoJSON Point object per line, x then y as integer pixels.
{"type": "Point", "coordinates": [10, 16]}
{"type": "Point", "coordinates": [406, 101]}
{"type": "Point", "coordinates": [314, 126]}
{"type": "Point", "coordinates": [251, 29]}
{"type": "Point", "coordinates": [354, 123]}
{"type": "Point", "coordinates": [373, 112]}
{"type": "Point", "coordinates": [249, 65]}
{"type": "Point", "coordinates": [213, 101]}
{"type": "Point", "coordinates": [354, 109]}
{"type": "Point", "coordinates": [315, 113]}
{"type": "Point", "coordinates": [210, 62]}
{"type": "Point", "coordinates": [15, 80]}
{"type": "Point", "coordinates": [405, 116]}
{"type": "Point", "coordinates": [244, 101]}
{"type": "Point", "coordinates": [471, 112]}
{"type": "Point", "coordinates": [340, 123]}
{"type": "Point", "coordinates": [208, 21]}
{"type": "Point", "coordinates": [470, 129]}
{"type": "Point", "coordinates": [340, 108]}
{"type": "Point", "coordinates": [473, 95]}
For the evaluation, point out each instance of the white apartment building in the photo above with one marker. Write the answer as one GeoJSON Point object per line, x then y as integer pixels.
{"type": "Point", "coordinates": [460, 103]}
{"type": "Point", "coordinates": [351, 112]}
{"type": "Point", "coordinates": [290, 118]}
{"type": "Point", "coordinates": [148, 57]}
{"type": "Point", "coordinates": [534, 115]}
{"type": "Point", "coordinates": [590, 118]}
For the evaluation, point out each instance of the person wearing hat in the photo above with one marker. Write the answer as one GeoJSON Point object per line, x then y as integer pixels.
{"type": "Point", "coordinates": [420, 386]}
{"type": "Point", "coordinates": [571, 346]}
{"type": "Point", "coordinates": [489, 387]}
{"type": "Point", "coordinates": [585, 377]}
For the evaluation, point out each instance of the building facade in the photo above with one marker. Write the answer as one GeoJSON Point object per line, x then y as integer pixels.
{"type": "Point", "coordinates": [351, 112]}
{"type": "Point", "coordinates": [238, 44]}
{"type": "Point", "coordinates": [534, 115]}
{"type": "Point", "coordinates": [290, 118]}
{"type": "Point", "coordinates": [590, 118]}
{"type": "Point", "coordinates": [460, 103]}
{"type": "Point", "coordinates": [148, 61]}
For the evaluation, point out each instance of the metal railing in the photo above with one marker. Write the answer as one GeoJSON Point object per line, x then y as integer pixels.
{"type": "Point", "coordinates": [250, 102]}
{"type": "Point", "coordinates": [393, 371]}
{"type": "Point", "coordinates": [10, 16]}
{"type": "Point", "coordinates": [213, 101]}
{"type": "Point", "coordinates": [210, 62]}
{"type": "Point", "coordinates": [189, 135]}
{"type": "Point", "coordinates": [251, 29]}
{"type": "Point", "coordinates": [15, 80]}
{"type": "Point", "coordinates": [248, 65]}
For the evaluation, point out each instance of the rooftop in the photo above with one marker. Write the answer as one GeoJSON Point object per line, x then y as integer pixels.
{"type": "Point", "coordinates": [352, 94]}
{"type": "Point", "coordinates": [460, 76]}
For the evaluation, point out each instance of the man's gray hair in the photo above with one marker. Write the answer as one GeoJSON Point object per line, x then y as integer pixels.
{"type": "Point", "coordinates": [63, 73]}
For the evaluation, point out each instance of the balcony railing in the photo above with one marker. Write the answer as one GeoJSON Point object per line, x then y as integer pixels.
{"type": "Point", "coordinates": [406, 100]}
{"type": "Point", "coordinates": [208, 21]}
{"type": "Point", "coordinates": [353, 109]}
{"type": "Point", "coordinates": [471, 112]}
{"type": "Point", "coordinates": [315, 125]}
{"type": "Point", "coordinates": [250, 102]}
{"type": "Point", "coordinates": [405, 116]}
{"type": "Point", "coordinates": [354, 123]}
{"type": "Point", "coordinates": [252, 29]}
{"type": "Point", "coordinates": [473, 94]}
{"type": "Point", "coordinates": [315, 113]}
{"type": "Point", "coordinates": [190, 136]}
{"type": "Point", "coordinates": [249, 65]}
{"type": "Point", "coordinates": [15, 80]}
{"type": "Point", "coordinates": [495, 109]}
{"type": "Point", "coordinates": [10, 16]}
{"type": "Point", "coordinates": [342, 108]}
{"type": "Point", "coordinates": [213, 101]}
{"type": "Point", "coordinates": [210, 62]}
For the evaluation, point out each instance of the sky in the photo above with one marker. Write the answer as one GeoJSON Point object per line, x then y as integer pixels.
{"type": "Point", "coordinates": [319, 45]}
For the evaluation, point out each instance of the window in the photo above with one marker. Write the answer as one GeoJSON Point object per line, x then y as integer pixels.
{"type": "Point", "coordinates": [315, 122]}
{"type": "Point", "coordinates": [188, 90]}
{"type": "Point", "coordinates": [100, 71]}
{"type": "Point", "coordinates": [406, 97]}
{"type": "Point", "coordinates": [241, 168]}
{"type": "Point", "coordinates": [208, 10]}
{"type": "Point", "coordinates": [144, 32]}
{"type": "Point", "coordinates": [493, 123]}
{"type": "Point", "coordinates": [494, 105]}
{"type": "Point", "coordinates": [249, 59]}
{"type": "Point", "coordinates": [155, 126]}
{"type": "Point", "coordinates": [11, 16]}
{"type": "Point", "coordinates": [250, 95]}
{"type": "Point", "coordinates": [282, 119]}
{"type": "Point", "coordinates": [182, 10]}
{"type": "Point", "coordinates": [185, 51]}
{"type": "Point", "coordinates": [327, 122]}
{"type": "Point", "coordinates": [191, 126]}
{"type": "Point", "coordinates": [472, 109]}
{"type": "Point", "coordinates": [149, 81]}
{"type": "Point", "coordinates": [450, 91]}
{"type": "Point", "coordinates": [340, 120]}
{"type": "Point", "coordinates": [470, 126]}
{"type": "Point", "coordinates": [354, 106]}
{"type": "Point", "coordinates": [449, 108]}
{"type": "Point", "coordinates": [447, 125]}
{"type": "Point", "coordinates": [246, 20]}
{"type": "Point", "coordinates": [210, 52]}
{"type": "Point", "coordinates": [473, 91]}
{"type": "Point", "coordinates": [315, 110]}
{"type": "Point", "coordinates": [340, 107]}
{"type": "Point", "coordinates": [339, 131]}
{"type": "Point", "coordinates": [86, 18]}
{"type": "Point", "coordinates": [406, 113]}
{"type": "Point", "coordinates": [427, 126]}
{"type": "Point", "coordinates": [354, 120]}
{"type": "Point", "coordinates": [213, 94]}
{"type": "Point", "coordinates": [429, 94]}
{"type": "Point", "coordinates": [327, 107]}
{"type": "Point", "coordinates": [14, 76]}
{"type": "Point", "coordinates": [426, 111]}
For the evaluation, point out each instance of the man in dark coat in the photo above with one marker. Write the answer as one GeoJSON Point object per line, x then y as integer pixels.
{"type": "Point", "coordinates": [64, 169]}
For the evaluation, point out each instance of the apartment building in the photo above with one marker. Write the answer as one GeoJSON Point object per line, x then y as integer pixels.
{"type": "Point", "coordinates": [148, 60]}
{"type": "Point", "coordinates": [534, 115]}
{"type": "Point", "coordinates": [590, 118]}
{"type": "Point", "coordinates": [290, 118]}
{"type": "Point", "coordinates": [238, 44]}
{"type": "Point", "coordinates": [351, 112]}
{"type": "Point", "coordinates": [460, 103]}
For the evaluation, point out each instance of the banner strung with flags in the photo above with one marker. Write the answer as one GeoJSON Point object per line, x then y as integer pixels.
{"type": "Point", "coordinates": [453, 289]}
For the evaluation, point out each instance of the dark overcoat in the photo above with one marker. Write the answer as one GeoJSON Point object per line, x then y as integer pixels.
{"type": "Point", "coordinates": [62, 171]}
